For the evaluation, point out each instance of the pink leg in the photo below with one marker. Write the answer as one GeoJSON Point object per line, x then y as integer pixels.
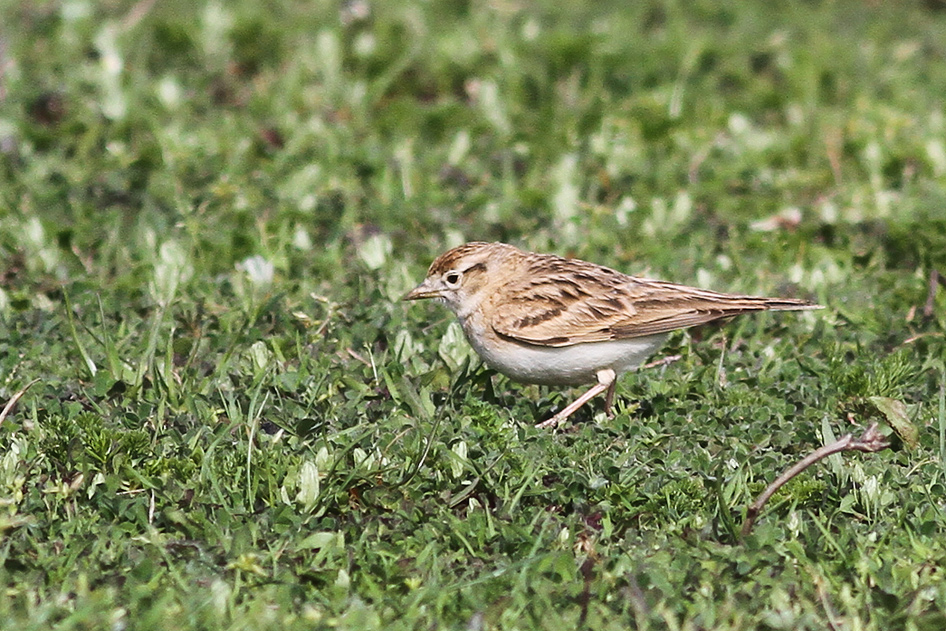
{"type": "Point", "coordinates": [606, 380]}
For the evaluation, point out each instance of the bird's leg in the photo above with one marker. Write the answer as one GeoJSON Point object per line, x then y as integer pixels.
{"type": "Point", "coordinates": [609, 399]}
{"type": "Point", "coordinates": [606, 380]}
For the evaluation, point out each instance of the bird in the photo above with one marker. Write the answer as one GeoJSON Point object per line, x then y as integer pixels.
{"type": "Point", "coordinates": [549, 320]}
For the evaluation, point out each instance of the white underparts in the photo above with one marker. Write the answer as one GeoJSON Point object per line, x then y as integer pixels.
{"type": "Point", "coordinates": [566, 365]}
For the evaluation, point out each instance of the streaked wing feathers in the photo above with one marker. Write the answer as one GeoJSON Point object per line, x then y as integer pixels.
{"type": "Point", "coordinates": [571, 302]}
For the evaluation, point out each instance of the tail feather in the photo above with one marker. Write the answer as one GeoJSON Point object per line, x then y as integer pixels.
{"type": "Point", "coordinates": [699, 308]}
{"type": "Point", "coordinates": [783, 304]}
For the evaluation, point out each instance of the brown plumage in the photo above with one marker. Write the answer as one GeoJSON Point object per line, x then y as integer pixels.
{"type": "Point", "coordinates": [541, 318]}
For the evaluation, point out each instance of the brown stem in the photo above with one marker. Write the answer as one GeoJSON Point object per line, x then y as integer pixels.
{"type": "Point", "coordinates": [870, 441]}
{"type": "Point", "coordinates": [664, 361]}
{"type": "Point", "coordinates": [14, 399]}
{"type": "Point", "coordinates": [935, 279]}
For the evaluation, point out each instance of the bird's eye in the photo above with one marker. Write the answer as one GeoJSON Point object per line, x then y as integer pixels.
{"type": "Point", "coordinates": [452, 278]}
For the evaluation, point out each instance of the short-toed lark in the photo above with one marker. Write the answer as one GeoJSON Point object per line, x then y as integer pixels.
{"type": "Point", "coordinates": [544, 319]}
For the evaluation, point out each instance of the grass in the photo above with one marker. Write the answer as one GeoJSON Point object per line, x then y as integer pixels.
{"type": "Point", "coordinates": [208, 212]}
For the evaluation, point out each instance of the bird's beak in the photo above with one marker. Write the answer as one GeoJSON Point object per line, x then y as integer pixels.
{"type": "Point", "coordinates": [424, 290]}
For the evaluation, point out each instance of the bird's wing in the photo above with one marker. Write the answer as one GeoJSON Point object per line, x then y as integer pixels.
{"type": "Point", "coordinates": [568, 302]}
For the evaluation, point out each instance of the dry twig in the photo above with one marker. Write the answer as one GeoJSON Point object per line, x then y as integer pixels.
{"type": "Point", "coordinates": [870, 441]}
{"type": "Point", "coordinates": [935, 279]}
{"type": "Point", "coordinates": [16, 397]}
{"type": "Point", "coordinates": [664, 361]}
